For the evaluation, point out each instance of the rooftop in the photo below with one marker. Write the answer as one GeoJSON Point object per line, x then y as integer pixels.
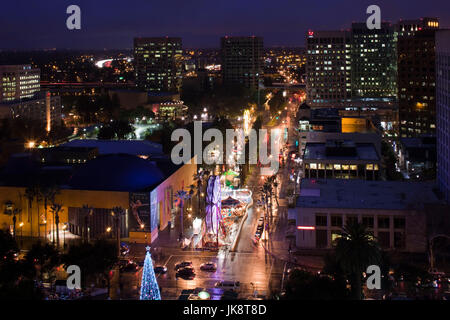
{"type": "Point", "coordinates": [361, 194]}
{"type": "Point", "coordinates": [348, 150]}
{"type": "Point", "coordinates": [119, 172]}
{"type": "Point", "coordinates": [133, 147]}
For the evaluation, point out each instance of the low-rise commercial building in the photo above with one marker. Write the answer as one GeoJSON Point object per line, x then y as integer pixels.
{"type": "Point", "coordinates": [341, 159]}
{"type": "Point", "coordinates": [395, 212]}
{"type": "Point", "coordinates": [143, 189]}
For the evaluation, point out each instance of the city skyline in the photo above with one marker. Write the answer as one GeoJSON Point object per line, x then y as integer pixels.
{"type": "Point", "coordinates": [114, 25]}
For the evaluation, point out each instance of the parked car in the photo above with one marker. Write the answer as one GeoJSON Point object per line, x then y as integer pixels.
{"type": "Point", "coordinates": [124, 249]}
{"type": "Point", "coordinates": [208, 266]}
{"type": "Point", "coordinates": [183, 264]}
{"type": "Point", "coordinates": [160, 269]}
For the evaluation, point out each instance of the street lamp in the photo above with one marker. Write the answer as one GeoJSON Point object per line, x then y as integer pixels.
{"type": "Point", "coordinates": [31, 144]}
{"type": "Point", "coordinates": [21, 237]}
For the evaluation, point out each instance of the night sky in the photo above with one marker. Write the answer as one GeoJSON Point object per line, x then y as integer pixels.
{"type": "Point", "coordinates": [34, 24]}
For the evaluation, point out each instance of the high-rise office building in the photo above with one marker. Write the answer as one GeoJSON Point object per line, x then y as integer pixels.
{"type": "Point", "coordinates": [374, 61]}
{"type": "Point", "coordinates": [416, 76]}
{"type": "Point", "coordinates": [21, 98]}
{"type": "Point", "coordinates": [328, 67]}
{"type": "Point", "coordinates": [443, 110]}
{"type": "Point", "coordinates": [410, 27]}
{"type": "Point", "coordinates": [158, 64]}
{"type": "Point", "coordinates": [42, 107]}
{"type": "Point", "coordinates": [242, 61]}
{"type": "Point", "coordinates": [18, 82]}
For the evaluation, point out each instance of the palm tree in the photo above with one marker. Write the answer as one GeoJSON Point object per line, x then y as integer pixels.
{"type": "Point", "coordinates": [267, 191]}
{"type": "Point", "coordinates": [182, 196]}
{"type": "Point", "coordinates": [56, 209]}
{"type": "Point", "coordinates": [275, 185]}
{"type": "Point", "coordinates": [356, 249]}
{"type": "Point", "coordinates": [30, 194]}
{"type": "Point", "coordinates": [199, 178]}
{"type": "Point", "coordinates": [12, 211]}
{"type": "Point", "coordinates": [191, 194]}
{"type": "Point", "coordinates": [48, 193]}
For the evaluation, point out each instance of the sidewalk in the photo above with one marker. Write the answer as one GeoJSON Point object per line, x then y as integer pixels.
{"type": "Point", "coordinates": [278, 245]}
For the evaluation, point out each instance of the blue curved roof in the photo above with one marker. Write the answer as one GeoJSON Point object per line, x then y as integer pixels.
{"type": "Point", "coordinates": [117, 172]}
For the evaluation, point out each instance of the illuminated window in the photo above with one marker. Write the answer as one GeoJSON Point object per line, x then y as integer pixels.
{"type": "Point", "coordinates": [335, 235]}
{"type": "Point", "coordinates": [313, 165]}
{"type": "Point", "coordinates": [345, 167]}
{"type": "Point", "coordinates": [353, 167]}
{"type": "Point", "coordinates": [337, 167]}
{"type": "Point", "coordinates": [369, 166]}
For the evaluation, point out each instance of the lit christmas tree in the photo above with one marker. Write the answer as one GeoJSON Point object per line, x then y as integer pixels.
{"type": "Point", "coordinates": [149, 286]}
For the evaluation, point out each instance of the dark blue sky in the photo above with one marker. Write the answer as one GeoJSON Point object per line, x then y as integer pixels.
{"type": "Point", "coordinates": [34, 24]}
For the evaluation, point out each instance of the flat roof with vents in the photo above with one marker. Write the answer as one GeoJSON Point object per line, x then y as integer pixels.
{"type": "Point", "coordinates": [361, 194]}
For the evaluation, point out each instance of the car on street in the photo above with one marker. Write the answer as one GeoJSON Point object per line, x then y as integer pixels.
{"type": "Point", "coordinates": [227, 284]}
{"type": "Point", "coordinates": [186, 273]}
{"type": "Point", "coordinates": [160, 269]}
{"type": "Point", "coordinates": [208, 266]}
{"type": "Point", "coordinates": [183, 264]}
